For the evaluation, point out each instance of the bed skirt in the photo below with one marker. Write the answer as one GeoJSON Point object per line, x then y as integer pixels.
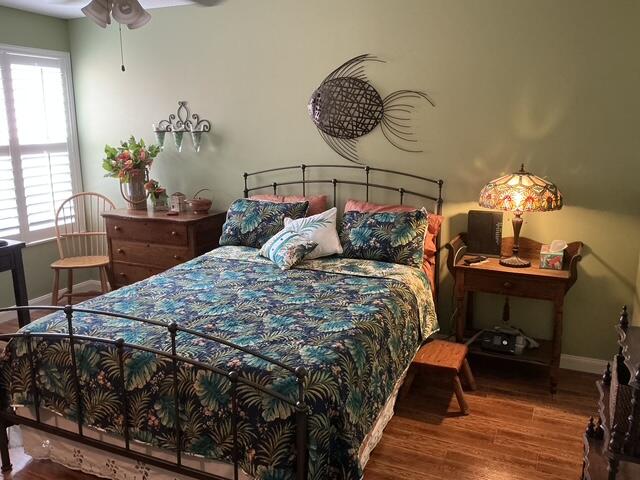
{"type": "Point", "coordinates": [76, 456]}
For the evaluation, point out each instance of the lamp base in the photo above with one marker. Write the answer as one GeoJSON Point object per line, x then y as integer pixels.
{"type": "Point", "coordinates": [515, 262]}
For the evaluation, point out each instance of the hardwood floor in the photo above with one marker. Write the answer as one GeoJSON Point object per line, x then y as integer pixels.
{"type": "Point", "coordinates": [516, 430]}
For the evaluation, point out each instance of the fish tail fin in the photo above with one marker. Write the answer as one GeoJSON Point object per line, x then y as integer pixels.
{"type": "Point", "coordinates": [396, 121]}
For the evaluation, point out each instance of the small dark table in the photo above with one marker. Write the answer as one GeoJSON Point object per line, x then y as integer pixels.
{"type": "Point", "coordinates": [531, 282]}
{"type": "Point", "coordinates": [11, 259]}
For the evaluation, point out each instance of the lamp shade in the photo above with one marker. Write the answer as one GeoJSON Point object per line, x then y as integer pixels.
{"type": "Point", "coordinates": [98, 11]}
{"type": "Point", "coordinates": [521, 192]}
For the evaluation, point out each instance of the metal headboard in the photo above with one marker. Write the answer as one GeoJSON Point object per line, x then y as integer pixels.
{"type": "Point", "coordinates": [367, 183]}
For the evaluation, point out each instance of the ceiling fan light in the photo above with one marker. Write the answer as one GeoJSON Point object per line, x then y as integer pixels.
{"type": "Point", "coordinates": [129, 12]}
{"type": "Point", "coordinates": [98, 11]}
{"type": "Point", "coordinates": [142, 20]}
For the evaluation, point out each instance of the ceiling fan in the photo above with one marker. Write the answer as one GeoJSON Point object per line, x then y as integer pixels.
{"type": "Point", "coordinates": [125, 12]}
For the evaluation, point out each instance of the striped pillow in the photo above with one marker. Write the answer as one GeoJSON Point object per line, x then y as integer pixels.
{"type": "Point", "coordinates": [286, 249]}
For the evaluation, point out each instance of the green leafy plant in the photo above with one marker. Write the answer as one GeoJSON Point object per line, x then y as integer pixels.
{"type": "Point", "coordinates": [131, 155]}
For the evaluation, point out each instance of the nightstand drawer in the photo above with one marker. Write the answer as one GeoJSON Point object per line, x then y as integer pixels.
{"type": "Point", "coordinates": [152, 254]}
{"type": "Point", "coordinates": [497, 284]}
{"type": "Point", "coordinates": [126, 274]}
{"type": "Point", "coordinates": [148, 231]}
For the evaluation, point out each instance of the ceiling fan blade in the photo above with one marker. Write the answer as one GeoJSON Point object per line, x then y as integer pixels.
{"type": "Point", "coordinates": [71, 3]}
{"type": "Point", "coordinates": [207, 3]}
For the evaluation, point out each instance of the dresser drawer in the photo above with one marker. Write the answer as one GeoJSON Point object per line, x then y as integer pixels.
{"type": "Point", "coordinates": [152, 254]}
{"type": "Point", "coordinates": [170, 233]}
{"type": "Point", "coordinates": [494, 284]}
{"type": "Point", "coordinates": [125, 274]}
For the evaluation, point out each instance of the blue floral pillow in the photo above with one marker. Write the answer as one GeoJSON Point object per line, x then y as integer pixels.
{"type": "Point", "coordinates": [386, 237]}
{"type": "Point", "coordinates": [286, 249]}
{"type": "Point", "coordinates": [251, 223]}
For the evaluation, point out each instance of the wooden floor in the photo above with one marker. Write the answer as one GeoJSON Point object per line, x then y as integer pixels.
{"type": "Point", "coordinates": [516, 430]}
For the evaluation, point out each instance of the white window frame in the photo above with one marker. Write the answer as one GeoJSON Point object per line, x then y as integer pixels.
{"type": "Point", "coordinates": [62, 59]}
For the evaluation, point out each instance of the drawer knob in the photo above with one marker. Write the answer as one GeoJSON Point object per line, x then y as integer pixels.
{"type": "Point", "coordinates": [116, 228]}
{"type": "Point", "coordinates": [174, 233]}
{"type": "Point", "coordinates": [507, 285]}
{"type": "Point", "coordinates": [120, 250]}
{"type": "Point", "coordinates": [177, 257]}
{"type": "Point", "coordinates": [122, 274]}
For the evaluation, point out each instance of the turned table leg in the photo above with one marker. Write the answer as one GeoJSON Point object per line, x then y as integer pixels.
{"type": "Point", "coordinates": [461, 307]}
{"type": "Point", "coordinates": [556, 348]}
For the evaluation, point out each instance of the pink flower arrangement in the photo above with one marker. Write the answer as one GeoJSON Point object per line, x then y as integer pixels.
{"type": "Point", "coordinates": [154, 189]}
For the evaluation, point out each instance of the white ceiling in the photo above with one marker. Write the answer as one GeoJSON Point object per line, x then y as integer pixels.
{"type": "Point", "coordinates": [71, 8]}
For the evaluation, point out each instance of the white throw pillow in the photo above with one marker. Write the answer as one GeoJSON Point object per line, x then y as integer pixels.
{"type": "Point", "coordinates": [320, 228]}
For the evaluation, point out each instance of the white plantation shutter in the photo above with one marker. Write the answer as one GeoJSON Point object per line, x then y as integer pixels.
{"type": "Point", "coordinates": [9, 222]}
{"type": "Point", "coordinates": [38, 159]}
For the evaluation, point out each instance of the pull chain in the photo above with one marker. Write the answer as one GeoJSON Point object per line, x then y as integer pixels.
{"type": "Point", "coordinates": [121, 51]}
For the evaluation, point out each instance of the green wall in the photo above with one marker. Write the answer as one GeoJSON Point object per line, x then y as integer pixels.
{"type": "Point", "coordinates": [37, 31]}
{"type": "Point", "coordinates": [32, 30]}
{"type": "Point", "coordinates": [552, 84]}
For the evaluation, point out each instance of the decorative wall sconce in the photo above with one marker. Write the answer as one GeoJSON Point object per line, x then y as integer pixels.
{"type": "Point", "coordinates": [179, 123]}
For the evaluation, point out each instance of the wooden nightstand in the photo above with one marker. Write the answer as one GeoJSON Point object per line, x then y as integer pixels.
{"type": "Point", "coordinates": [531, 282]}
{"type": "Point", "coordinates": [142, 244]}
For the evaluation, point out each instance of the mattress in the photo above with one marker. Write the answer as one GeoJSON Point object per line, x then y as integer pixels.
{"type": "Point", "coordinates": [355, 325]}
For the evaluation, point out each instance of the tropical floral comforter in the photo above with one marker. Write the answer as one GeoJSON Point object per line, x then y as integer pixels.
{"type": "Point", "coordinates": [354, 324]}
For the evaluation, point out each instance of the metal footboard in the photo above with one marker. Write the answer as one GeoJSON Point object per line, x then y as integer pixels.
{"type": "Point", "coordinates": [9, 416]}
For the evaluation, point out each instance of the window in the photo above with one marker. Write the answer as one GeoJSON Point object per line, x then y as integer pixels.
{"type": "Point", "coordinates": [39, 165]}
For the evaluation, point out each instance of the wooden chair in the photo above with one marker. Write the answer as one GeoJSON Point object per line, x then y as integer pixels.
{"type": "Point", "coordinates": [447, 357]}
{"type": "Point", "coordinates": [82, 242]}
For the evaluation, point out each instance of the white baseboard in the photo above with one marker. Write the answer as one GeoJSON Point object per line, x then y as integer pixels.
{"type": "Point", "coordinates": [87, 286]}
{"type": "Point", "coordinates": [582, 364]}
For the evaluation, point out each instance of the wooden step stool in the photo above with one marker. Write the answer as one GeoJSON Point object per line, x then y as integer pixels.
{"type": "Point", "coordinates": [448, 357]}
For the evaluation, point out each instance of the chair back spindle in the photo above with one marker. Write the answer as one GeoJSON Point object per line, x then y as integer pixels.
{"type": "Point", "coordinates": [80, 227]}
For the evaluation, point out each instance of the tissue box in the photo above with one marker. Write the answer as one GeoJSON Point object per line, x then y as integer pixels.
{"type": "Point", "coordinates": [551, 260]}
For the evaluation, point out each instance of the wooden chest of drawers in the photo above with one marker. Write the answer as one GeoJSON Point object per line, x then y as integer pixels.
{"type": "Point", "coordinates": [142, 244]}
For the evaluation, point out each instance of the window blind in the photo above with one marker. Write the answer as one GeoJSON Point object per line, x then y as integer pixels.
{"type": "Point", "coordinates": [38, 161]}
{"type": "Point", "coordinates": [9, 222]}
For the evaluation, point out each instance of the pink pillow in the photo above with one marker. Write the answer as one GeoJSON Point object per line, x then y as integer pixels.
{"type": "Point", "coordinates": [358, 206]}
{"type": "Point", "coordinates": [317, 203]}
{"type": "Point", "coordinates": [435, 222]}
{"type": "Point", "coordinates": [268, 198]}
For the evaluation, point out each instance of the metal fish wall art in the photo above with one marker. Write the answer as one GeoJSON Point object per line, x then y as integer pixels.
{"type": "Point", "coordinates": [346, 107]}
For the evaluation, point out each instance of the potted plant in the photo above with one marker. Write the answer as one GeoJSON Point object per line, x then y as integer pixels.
{"type": "Point", "coordinates": [157, 195]}
{"type": "Point", "coordinates": [130, 163]}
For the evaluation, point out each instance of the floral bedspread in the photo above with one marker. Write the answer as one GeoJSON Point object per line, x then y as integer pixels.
{"type": "Point", "coordinates": [353, 324]}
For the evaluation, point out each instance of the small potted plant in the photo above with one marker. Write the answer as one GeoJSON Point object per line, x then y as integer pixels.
{"type": "Point", "coordinates": [157, 195]}
{"type": "Point", "coordinates": [130, 163]}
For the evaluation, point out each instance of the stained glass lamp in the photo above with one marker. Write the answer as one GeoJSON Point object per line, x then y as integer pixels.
{"type": "Point", "coordinates": [520, 192]}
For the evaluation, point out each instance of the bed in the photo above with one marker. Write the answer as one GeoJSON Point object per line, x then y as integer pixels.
{"type": "Point", "coordinates": [226, 366]}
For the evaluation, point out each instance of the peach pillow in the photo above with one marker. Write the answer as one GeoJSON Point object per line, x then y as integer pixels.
{"type": "Point", "coordinates": [317, 203]}
{"type": "Point", "coordinates": [268, 198]}
{"type": "Point", "coordinates": [435, 222]}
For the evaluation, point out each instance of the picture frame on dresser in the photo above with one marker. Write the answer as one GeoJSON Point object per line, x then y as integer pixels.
{"type": "Point", "coordinates": [143, 243]}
